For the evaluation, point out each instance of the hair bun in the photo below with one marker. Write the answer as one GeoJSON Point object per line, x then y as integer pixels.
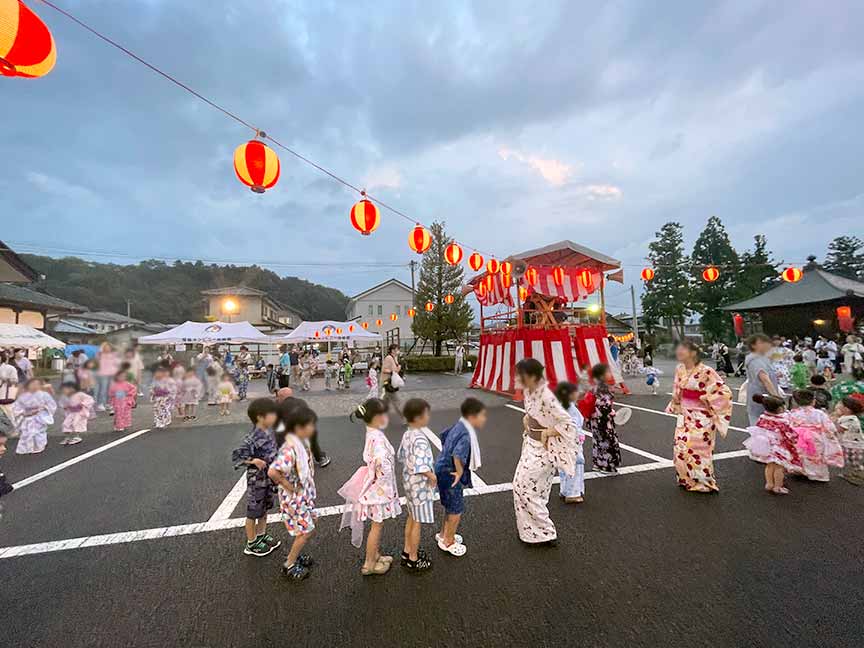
{"type": "Point", "coordinates": [759, 398]}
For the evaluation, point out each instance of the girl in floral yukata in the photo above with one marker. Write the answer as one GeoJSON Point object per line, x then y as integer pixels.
{"type": "Point", "coordinates": [78, 410]}
{"type": "Point", "coordinates": [121, 398]}
{"type": "Point", "coordinates": [773, 442]}
{"type": "Point", "coordinates": [33, 411]}
{"type": "Point", "coordinates": [703, 405]}
{"type": "Point", "coordinates": [418, 481]}
{"type": "Point", "coordinates": [605, 452]}
{"type": "Point", "coordinates": [163, 392]}
{"type": "Point", "coordinates": [847, 418]}
{"type": "Point", "coordinates": [371, 493]}
{"type": "Point", "coordinates": [190, 393]}
{"type": "Point", "coordinates": [817, 437]}
{"type": "Point", "coordinates": [293, 471]}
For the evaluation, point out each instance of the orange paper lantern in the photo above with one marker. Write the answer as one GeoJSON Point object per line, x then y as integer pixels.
{"type": "Point", "coordinates": [647, 274]}
{"type": "Point", "coordinates": [523, 293]}
{"type": "Point", "coordinates": [489, 280]}
{"type": "Point", "coordinates": [338, 331]}
{"type": "Point", "coordinates": [507, 280]}
{"type": "Point", "coordinates": [792, 274]}
{"type": "Point", "coordinates": [393, 317]}
{"type": "Point", "coordinates": [317, 334]}
{"type": "Point", "coordinates": [365, 217]}
{"type": "Point", "coordinates": [586, 279]}
{"type": "Point", "coordinates": [493, 266]}
{"type": "Point", "coordinates": [710, 274]}
{"type": "Point", "coordinates": [475, 261]}
{"type": "Point", "coordinates": [379, 322]}
{"type": "Point", "coordinates": [844, 311]}
{"type": "Point", "coordinates": [350, 328]}
{"type": "Point", "coordinates": [506, 267]}
{"type": "Point", "coordinates": [256, 165]}
{"type": "Point", "coordinates": [419, 239]}
{"type": "Point", "coordinates": [411, 312]}
{"type": "Point", "coordinates": [453, 254]}
{"type": "Point", "coordinates": [429, 307]}
{"type": "Point", "coordinates": [26, 46]}
{"type": "Point", "coordinates": [449, 299]}
{"type": "Point", "coordinates": [531, 275]}
{"type": "Point", "coordinates": [365, 325]}
{"type": "Point", "coordinates": [481, 289]}
{"type": "Point", "coordinates": [558, 275]}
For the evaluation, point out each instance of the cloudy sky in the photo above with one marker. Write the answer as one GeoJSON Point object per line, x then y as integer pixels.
{"type": "Point", "coordinates": [517, 123]}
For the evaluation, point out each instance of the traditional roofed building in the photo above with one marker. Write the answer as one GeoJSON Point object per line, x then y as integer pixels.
{"type": "Point", "coordinates": [21, 305]}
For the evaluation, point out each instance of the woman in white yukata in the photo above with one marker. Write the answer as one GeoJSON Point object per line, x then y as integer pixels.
{"type": "Point", "coordinates": [34, 412]}
{"type": "Point", "coordinates": [548, 445]}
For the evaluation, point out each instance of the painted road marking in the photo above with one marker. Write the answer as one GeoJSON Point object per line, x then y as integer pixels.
{"type": "Point", "coordinates": [226, 508]}
{"type": "Point", "coordinates": [661, 412]}
{"type": "Point", "coordinates": [71, 462]}
{"type": "Point", "coordinates": [623, 446]}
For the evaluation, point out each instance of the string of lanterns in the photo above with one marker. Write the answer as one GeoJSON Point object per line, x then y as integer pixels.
{"type": "Point", "coordinates": [711, 273]}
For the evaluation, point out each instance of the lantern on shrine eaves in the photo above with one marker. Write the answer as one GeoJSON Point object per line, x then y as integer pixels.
{"type": "Point", "coordinates": [531, 276]}
{"type": "Point", "coordinates": [393, 317]}
{"type": "Point", "coordinates": [475, 261]}
{"type": "Point", "coordinates": [365, 217]}
{"type": "Point", "coordinates": [419, 239]}
{"type": "Point", "coordinates": [453, 254]}
{"type": "Point", "coordinates": [27, 48]}
{"type": "Point", "coordinates": [379, 322]}
{"type": "Point", "coordinates": [449, 299]}
{"type": "Point", "coordinates": [738, 324]}
{"type": "Point", "coordinates": [256, 165]}
{"type": "Point", "coordinates": [523, 293]}
{"type": "Point", "coordinates": [647, 274]}
{"type": "Point", "coordinates": [350, 328]}
{"type": "Point", "coordinates": [506, 268]}
{"type": "Point", "coordinates": [586, 279]}
{"type": "Point", "coordinates": [792, 274]}
{"type": "Point", "coordinates": [429, 307]}
{"type": "Point", "coordinates": [844, 319]}
{"type": "Point", "coordinates": [558, 275]}
{"type": "Point", "coordinates": [411, 312]}
{"type": "Point", "coordinates": [492, 266]}
{"type": "Point", "coordinates": [365, 325]}
{"type": "Point", "coordinates": [710, 274]}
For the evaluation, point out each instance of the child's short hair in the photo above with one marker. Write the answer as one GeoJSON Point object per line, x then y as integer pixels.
{"type": "Point", "coordinates": [368, 410]}
{"type": "Point", "coordinates": [564, 392]}
{"type": "Point", "coordinates": [798, 357]}
{"type": "Point", "coordinates": [853, 405]}
{"type": "Point", "coordinates": [472, 407]}
{"type": "Point", "coordinates": [771, 404]}
{"type": "Point", "coordinates": [261, 407]}
{"type": "Point", "coordinates": [270, 366]}
{"type": "Point", "coordinates": [414, 408]}
{"type": "Point", "coordinates": [803, 397]}
{"type": "Point", "coordinates": [598, 371]}
{"type": "Point", "coordinates": [530, 367]}
{"type": "Point", "coordinates": [122, 374]}
{"type": "Point", "coordinates": [68, 385]}
{"type": "Point", "coordinates": [818, 380]}
{"type": "Point", "coordinates": [300, 416]}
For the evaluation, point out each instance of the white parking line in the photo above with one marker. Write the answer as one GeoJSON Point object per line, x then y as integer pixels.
{"type": "Point", "coordinates": [226, 508]}
{"type": "Point", "coordinates": [74, 460]}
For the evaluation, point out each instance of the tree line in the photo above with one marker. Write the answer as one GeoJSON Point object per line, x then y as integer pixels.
{"type": "Point", "coordinates": [678, 290]}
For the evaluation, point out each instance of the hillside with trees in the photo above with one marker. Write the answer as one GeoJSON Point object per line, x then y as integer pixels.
{"type": "Point", "coordinates": [171, 292]}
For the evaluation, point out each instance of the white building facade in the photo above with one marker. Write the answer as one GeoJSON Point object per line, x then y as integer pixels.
{"type": "Point", "coordinates": [391, 297]}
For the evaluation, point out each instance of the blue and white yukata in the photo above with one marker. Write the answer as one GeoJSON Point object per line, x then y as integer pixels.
{"type": "Point", "coordinates": [415, 455]}
{"type": "Point", "coordinates": [574, 485]}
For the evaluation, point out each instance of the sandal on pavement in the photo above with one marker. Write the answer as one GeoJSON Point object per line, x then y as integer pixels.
{"type": "Point", "coordinates": [456, 537]}
{"type": "Point", "coordinates": [456, 549]}
{"type": "Point", "coordinates": [780, 491]}
{"type": "Point", "coordinates": [378, 569]}
{"type": "Point", "coordinates": [574, 500]}
{"type": "Point", "coordinates": [295, 572]}
{"type": "Point", "coordinates": [385, 559]}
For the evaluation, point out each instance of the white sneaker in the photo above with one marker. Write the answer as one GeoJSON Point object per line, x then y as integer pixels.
{"type": "Point", "coordinates": [100, 408]}
{"type": "Point", "coordinates": [74, 440]}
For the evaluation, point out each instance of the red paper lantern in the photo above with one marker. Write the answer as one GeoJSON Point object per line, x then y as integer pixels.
{"type": "Point", "coordinates": [365, 217]}
{"type": "Point", "coordinates": [419, 239]}
{"type": "Point", "coordinates": [453, 254]}
{"type": "Point", "coordinates": [738, 324]}
{"type": "Point", "coordinates": [558, 275]}
{"type": "Point", "coordinates": [493, 266]}
{"type": "Point", "coordinates": [328, 331]}
{"type": "Point", "coordinates": [506, 267]}
{"type": "Point", "coordinates": [411, 312]}
{"type": "Point", "coordinates": [647, 274]}
{"type": "Point", "coordinates": [365, 325]}
{"type": "Point", "coordinates": [256, 165]}
{"type": "Point", "coordinates": [844, 311]}
{"type": "Point", "coordinates": [586, 279]}
{"type": "Point", "coordinates": [350, 328]}
{"type": "Point", "coordinates": [531, 275]}
{"type": "Point", "coordinates": [710, 274]}
{"type": "Point", "coordinates": [338, 331]}
{"type": "Point", "coordinates": [316, 334]}
{"type": "Point", "coordinates": [523, 293]}
{"type": "Point", "coordinates": [449, 299]}
{"type": "Point", "coordinates": [429, 307]}
{"type": "Point", "coordinates": [507, 280]}
{"type": "Point", "coordinates": [475, 261]}
{"type": "Point", "coordinates": [481, 289]}
{"type": "Point", "coordinates": [393, 317]}
{"type": "Point", "coordinates": [792, 274]}
{"type": "Point", "coordinates": [379, 322]}
{"type": "Point", "coordinates": [489, 280]}
{"type": "Point", "coordinates": [26, 46]}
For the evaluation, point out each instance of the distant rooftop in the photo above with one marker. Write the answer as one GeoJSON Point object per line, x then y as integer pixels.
{"type": "Point", "coordinates": [233, 290]}
{"type": "Point", "coordinates": [108, 316]}
{"type": "Point", "coordinates": [816, 285]}
{"type": "Point", "coordinates": [20, 296]}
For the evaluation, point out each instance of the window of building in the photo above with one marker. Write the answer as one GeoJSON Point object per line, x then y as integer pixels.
{"type": "Point", "coordinates": [380, 309]}
{"type": "Point", "coordinates": [398, 309]}
{"type": "Point", "coordinates": [371, 309]}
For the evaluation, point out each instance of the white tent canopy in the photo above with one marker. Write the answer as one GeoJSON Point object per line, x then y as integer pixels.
{"type": "Point", "coordinates": [18, 336]}
{"type": "Point", "coordinates": [327, 331]}
{"type": "Point", "coordinates": [208, 333]}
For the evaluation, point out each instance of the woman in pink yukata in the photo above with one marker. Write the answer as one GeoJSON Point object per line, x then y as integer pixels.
{"type": "Point", "coordinates": [121, 396]}
{"type": "Point", "coordinates": [817, 437]}
{"type": "Point", "coordinates": [371, 492]}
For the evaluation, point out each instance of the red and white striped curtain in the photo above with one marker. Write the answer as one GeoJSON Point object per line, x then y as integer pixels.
{"type": "Point", "coordinates": [491, 290]}
{"type": "Point", "coordinates": [572, 287]}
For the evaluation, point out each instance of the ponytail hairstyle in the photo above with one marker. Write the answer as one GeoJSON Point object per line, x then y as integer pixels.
{"type": "Point", "coordinates": [368, 410]}
{"type": "Point", "coordinates": [772, 404]}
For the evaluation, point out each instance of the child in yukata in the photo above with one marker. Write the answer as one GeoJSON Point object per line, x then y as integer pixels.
{"type": "Point", "coordinates": [372, 379]}
{"type": "Point", "coordinates": [847, 418]}
{"type": "Point", "coordinates": [190, 394]}
{"type": "Point", "coordinates": [178, 374]}
{"type": "Point", "coordinates": [225, 395]}
{"type": "Point", "coordinates": [255, 454]}
{"type": "Point", "coordinates": [817, 438]}
{"type": "Point", "coordinates": [460, 456]}
{"type": "Point", "coordinates": [371, 492]}
{"type": "Point", "coordinates": [329, 373]}
{"type": "Point", "coordinates": [652, 375]}
{"type": "Point", "coordinates": [121, 398]}
{"type": "Point", "coordinates": [572, 487]}
{"type": "Point", "coordinates": [33, 411]}
{"type": "Point", "coordinates": [346, 373]}
{"type": "Point", "coordinates": [293, 472]}
{"type": "Point", "coordinates": [163, 391]}
{"type": "Point", "coordinates": [822, 397]}
{"type": "Point", "coordinates": [78, 409]}
{"type": "Point", "coordinates": [418, 481]}
{"type": "Point", "coordinates": [773, 442]}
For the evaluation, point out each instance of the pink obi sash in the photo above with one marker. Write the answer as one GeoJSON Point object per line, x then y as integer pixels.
{"type": "Point", "coordinates": [691, 399]}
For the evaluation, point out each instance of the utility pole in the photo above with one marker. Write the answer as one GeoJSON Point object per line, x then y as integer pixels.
{"type": "Point", "coordinates": [412, 265]}
{"type": "Point", "coordinates": [128, 309]}
{"type": "Point", "coordinates": [635, 319]}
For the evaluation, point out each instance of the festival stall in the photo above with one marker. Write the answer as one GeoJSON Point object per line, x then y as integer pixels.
{"type": "Point", "coordinates": [209, 333]}
{"type": "Point", "coordinates": [327, 330]}
{"type": "Point", "coordinates": [548, 283]}
{"type": "Point", "coordinates": [18, 336]}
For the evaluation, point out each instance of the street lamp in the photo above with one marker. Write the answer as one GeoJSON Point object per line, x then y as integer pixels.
{"type": "Point", "coordinates": [229, 307]}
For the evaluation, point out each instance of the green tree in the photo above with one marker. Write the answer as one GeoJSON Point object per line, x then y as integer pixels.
{"type": "Point", "coordinates": [846, 257]}
{"type": "Point", "coordinates": [758, 270]}
{"type": "Point", "coordinates": [437, 280]}
{"type": "Point", "coordinates": [667, 295]}
{"type": "Point", "coordinates": [713, 248]}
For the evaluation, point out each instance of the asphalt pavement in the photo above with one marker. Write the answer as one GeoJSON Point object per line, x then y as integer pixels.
{"type": "Point", "coordinates": [140, 545]}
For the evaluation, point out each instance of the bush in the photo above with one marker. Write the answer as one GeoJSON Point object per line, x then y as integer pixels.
{"type": "Point", "coordinates": [434, 363]}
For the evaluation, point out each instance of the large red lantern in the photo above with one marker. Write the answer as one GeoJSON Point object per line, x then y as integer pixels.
{"type": "Point", "coordinates": [365, 217]}
{"type": "Point", "coordinates": [449, 299]}
{"type": "Point", "coordinates": [429, 307]}
{"type": "Point", "coordinates": [844, 319]}
{"type": "Point", "coordinates": [531, 276]}
{"type": "Point", "coordinates": [844, 311]}
{"type": "Point", "coordinates": [379, 322]}
{"type": "Point", "coordinates": [419, 239]}
{"type": "Point", "coordinates": [393, 317]}
{"type": "Point", "coordinates": [411, 312]}
{"type": "Point", "coordinates": [710, 274]}
{"type": "Point", "coordinates": [647, 274]}
{"type": "Point", "coordinates": [492, 266]}
{"type": "Point", "coordinates": [558, 275]}
{"type": "Point", "coordinates": [738, 324]}
{"type": "Point", "coordinates": [256, 165]}
{"type": "Point", "coordinates": [586, 279]}
{"type": "Point", "coordinates": [506, 267]}
{"type": "Point", "coordinates": [475, 261]}
{"type": "Point", "coordinates": [453, 254]}
{"type": "Point", "coordinates": [792, 274]}
{"type": "Point", "coordinates": [26, 46]}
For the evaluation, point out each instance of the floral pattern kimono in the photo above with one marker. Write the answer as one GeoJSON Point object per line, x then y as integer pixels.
{"type": "Point", "coordinates": [415, 455]}
{"type": "Point", "coordinates": [78, 410]}
{"type": "Point", "coordinates": [33, 412]}
{"type": "Point", "coordinates": [121, 396]}
{"type": "Point", "coordinates": [605, 452]}
{"type": "Point", "coordinates": [852, 440]}
{"type": "Point", "coordinates": [772, 440]}
{"type": "Point", "coordinates": [817, 442]}
{"type": "Point", "coordinates": [703, 403]}
{"type": "Point", "coordinates": [294, 461]}
{"type": "Point", "coordinates": [539, 462]}
{"type": "Point", "coordinates": [162, 395]}
{"type": "Point", "coordinates": [371, 493]}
